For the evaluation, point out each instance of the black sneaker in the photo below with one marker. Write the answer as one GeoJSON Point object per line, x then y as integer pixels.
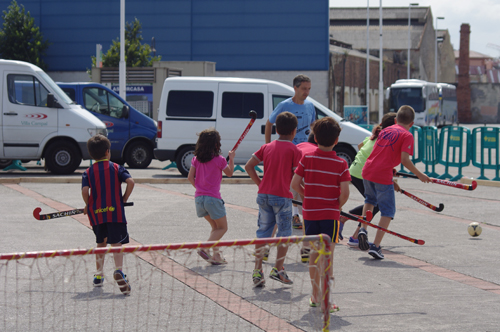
{"type": "Point", "coordinates": [98, 280]}
{"type": "Point", "coordinates": [376, 252]}
{"type": "Point", "coordinates": [363, 240]}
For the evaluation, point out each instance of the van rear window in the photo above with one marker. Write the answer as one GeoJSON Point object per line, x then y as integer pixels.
{"type": "Point", "coordinates": [239, 104]}
{"type": "Point", "coordinates": [190, 103]}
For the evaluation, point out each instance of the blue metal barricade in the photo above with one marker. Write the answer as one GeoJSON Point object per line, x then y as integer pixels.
{"type": "Point", "coordinates": [488, 150]}
{"type": "Point", "coordinates": [430, 147]}
{"type": "Point", "coordinates": [416, 131]}
{"type": "Point", "coordinates": [454, 149]}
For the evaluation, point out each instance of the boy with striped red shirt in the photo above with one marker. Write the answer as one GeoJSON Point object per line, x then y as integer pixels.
{"type": "Point", "coordinates": [325, 191]}
{"type": "Point", "coordinates": [102, 194]}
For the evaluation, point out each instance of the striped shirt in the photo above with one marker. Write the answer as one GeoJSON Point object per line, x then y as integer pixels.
{"type": "Point", "coordinates": [322, 172]}
{"type": "Point", "coordinates": [105, 204]}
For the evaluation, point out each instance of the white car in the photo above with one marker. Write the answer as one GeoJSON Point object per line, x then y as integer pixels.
{"type": "Point", "coordinates": [189, 105]}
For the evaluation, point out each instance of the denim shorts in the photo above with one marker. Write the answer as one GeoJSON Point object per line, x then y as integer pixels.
{"type": "Point", "coordinates": [381, 195]}
{"type": "Point", "coordinates": [210, 206]}
{"type": "Point", "coordinates": [274, 210]}
{"type": "Point", "coordinates": [328, 227]}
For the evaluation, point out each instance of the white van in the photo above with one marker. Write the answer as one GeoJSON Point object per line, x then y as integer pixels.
{"type": "Point", "coordinates": [189, 105]}
{"type": "Point", "coordinates": [40, 121]}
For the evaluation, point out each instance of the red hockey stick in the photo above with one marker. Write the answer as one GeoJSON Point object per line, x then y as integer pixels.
{"type": "Point", "coordinates": [38, 216]}
{"type": "Point", "coordinates": [366, 222]}
{"type": "Point", "coordinates": [444, 182]}
{"type": "Point", "coordinates": [253, 115]}
{"type": "Point", "coordinates": [424, 203]}
{"type": "Point", "coordinates": [368, 217]}
{"type": "Point", "coordinates": [361, 220]}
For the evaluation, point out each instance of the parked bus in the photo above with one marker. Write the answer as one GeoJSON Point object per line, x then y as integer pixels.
{"type": "Point", "coordinates": [435, 104]}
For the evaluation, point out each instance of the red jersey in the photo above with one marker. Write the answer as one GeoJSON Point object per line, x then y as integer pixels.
{"type": "Point", "coordinates": [322, 172]}
{"type": "Point", "coordinates": [280, 159]}
{"type": "Point", "coordinates": [386, 154]}
{"type": "Point", "coordinates": [307, 147]}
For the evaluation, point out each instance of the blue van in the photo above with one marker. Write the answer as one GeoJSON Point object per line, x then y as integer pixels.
{"type": "Point", "coordinates": [132, 133]}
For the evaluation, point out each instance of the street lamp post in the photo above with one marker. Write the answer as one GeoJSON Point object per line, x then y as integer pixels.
{"type": "Point", "coordinates": [409, 39]}
{"type": "Point", "coordinates": [367, 62]}
{"type": "Point", "coordinates": [436, 50]}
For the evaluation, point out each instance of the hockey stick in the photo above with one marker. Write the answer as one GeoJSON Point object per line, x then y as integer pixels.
{"type": "Point", "coordinates": [424, 203]}
{"type": "Point", "coordinates": [444, 182]}
{"type": "Point", "coordinates": [38, 216]}
{"type": "Point", "coordinates": [361, 220]}
{"type": "Point", "coordinates": [253, 115]}
{"type": "Point", "coordinates": [364, 221]}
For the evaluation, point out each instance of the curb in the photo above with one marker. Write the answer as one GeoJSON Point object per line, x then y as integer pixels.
{"type": "Point", "coordinates": [136, 180]}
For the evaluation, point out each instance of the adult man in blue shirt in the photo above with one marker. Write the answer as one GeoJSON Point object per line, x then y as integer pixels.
{"type": "Point", "coordinates": [303, 109]}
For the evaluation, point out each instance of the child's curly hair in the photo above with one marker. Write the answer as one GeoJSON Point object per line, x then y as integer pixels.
{"type": "Point", "coordinates": [208, 145]}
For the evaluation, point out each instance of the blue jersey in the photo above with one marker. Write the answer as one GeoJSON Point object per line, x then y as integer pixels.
{"type": "Point", "coordinates": [305, 113]}
{"type": "Point", "coordinates": [104, 178]}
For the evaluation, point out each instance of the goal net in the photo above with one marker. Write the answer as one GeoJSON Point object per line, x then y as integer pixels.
{"type": "Point", "coordinates": [172, 289]}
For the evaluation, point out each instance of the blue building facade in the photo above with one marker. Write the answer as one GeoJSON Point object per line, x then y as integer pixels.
{"type": "Point", "coordinates": [277, 35]}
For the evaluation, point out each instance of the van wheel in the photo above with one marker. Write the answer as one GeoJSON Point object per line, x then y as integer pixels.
{"type": "Point", "coordinates": [62, 157]}
{"type": "Point", "coordinates": [345, 153]}
{"type": "Point", "coordinates": [139, 155]}
{"type": "Point", "coordinates": [184, 158]}
{"type": "Point", "coordinates": [5, 162]}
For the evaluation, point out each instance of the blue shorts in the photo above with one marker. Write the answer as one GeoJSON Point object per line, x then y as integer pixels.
{"type": "Point", "coordinates": [210, 206]}
{"type": "Point", "coordinates": [328, 227]}
{"type": "Point", "coordinates": [381, 195]}
{"type": "Point", "coordinates": [111, 233]}
{"type": "Point", "coordinates": [274, 210]}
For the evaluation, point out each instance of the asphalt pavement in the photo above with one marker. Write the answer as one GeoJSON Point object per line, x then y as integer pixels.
{"type": "Point", "coordinates": [451, 283]}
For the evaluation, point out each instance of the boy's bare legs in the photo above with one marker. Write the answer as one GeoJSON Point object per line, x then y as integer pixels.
{"type": "Point", "coordinates": [219, 228]}
{"type": "Point", "coordinates": [363, 243]}
{"type": "Point", "coordinates": [99, 260]}
{"type": "Point", "coordinates": [384, 223]}
{"type": "Point", "coordinates": [259, 254]}
{"type": "Point", "coordinates": [118, 257]}
{"type": "Point", "coordinates": [280, 258]}
{"type": "Point", "coordinates": [316, 274]}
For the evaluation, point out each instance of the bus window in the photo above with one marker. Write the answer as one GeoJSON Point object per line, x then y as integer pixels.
{"type": "Point", "coordinates": [407, 96]}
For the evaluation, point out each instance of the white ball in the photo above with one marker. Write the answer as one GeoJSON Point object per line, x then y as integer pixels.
{"type": "Point", "coordinates": [474, 229]}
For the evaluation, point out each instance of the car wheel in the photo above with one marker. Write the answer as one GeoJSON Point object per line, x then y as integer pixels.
{"type": "Point", "coordinates": [139, 155]}
{"type": "Point", "coordinates": [184, 158]}
{"type": "Point", "coordinates": [5, 162]}
{"type": "Point", "coordinates": [346, 153]}
{"type": "Point", "coordinates": [62, 157]}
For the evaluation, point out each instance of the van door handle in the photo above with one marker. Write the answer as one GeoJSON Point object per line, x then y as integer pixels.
{"type": "Point", "coordinates": [263, 130]}
{"type": "Point", "coordinates": [10, 114]}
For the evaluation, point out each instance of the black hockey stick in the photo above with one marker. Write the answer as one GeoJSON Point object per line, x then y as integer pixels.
{"type": "Point", "coordinates": [38, 216]}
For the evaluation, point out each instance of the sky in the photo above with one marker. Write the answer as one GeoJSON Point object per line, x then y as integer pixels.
{"type": "Point", "coordinates": [482, 16]}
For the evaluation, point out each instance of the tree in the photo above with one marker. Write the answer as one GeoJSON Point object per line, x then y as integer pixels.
{"type": "Point", "coordinates": [20, 38]}
{"type": "Point", "coordinates": [136, 54]}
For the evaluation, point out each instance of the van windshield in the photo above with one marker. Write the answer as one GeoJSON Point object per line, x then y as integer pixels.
{"type": "Point", "coordinates": [58, 92]}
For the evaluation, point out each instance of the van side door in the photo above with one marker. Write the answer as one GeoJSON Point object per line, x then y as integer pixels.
{"type": "Point", "coordinates": [27, 121]}
{"type": "Point", "coordinates": [235, 101]}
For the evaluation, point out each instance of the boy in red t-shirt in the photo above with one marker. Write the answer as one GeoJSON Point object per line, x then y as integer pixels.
{"type": "Point", "coordinates": [394, 146]}
{"type": "Point", "coordinates": [274, 198]}
{"type": "Point", "coordinates": [326, 177]}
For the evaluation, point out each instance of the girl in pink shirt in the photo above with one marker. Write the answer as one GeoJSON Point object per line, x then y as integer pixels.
{"type": "Point", "coordinates": [205, 175]}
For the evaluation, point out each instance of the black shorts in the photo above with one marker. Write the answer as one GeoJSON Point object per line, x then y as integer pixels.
{"type": "Point", "coordinates": [111, 233]}
{"type": "Point", "coordinates": [328, 227]}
